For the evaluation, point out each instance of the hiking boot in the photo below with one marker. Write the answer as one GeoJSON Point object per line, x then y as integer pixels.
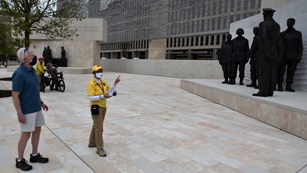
{"type": "Point", "coordinates": [101, 153]}
{"type": "Point", "coordinates": [91, 145]}
{"type": "Point", "coordinates": [23, 165]}
{"type": "Point", "coordinates": [38, 158]}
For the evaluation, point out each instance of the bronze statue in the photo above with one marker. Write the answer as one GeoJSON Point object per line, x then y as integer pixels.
{"type": "Point", "coordinates": [253, 60]}
{"type": "Point", "coordinates": [293, 45]}
{"type": "Point", "coordinates": [280, 65]}
{"type": "Point", "coordinates": [269, 32]}
{"type": "Point", "coordinates": [224, 58]}
{"type": "Point", "coordinates": [239, 56]}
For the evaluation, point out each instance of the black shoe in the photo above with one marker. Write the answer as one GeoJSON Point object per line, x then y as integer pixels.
{"type": "Point", "coordinates": [280, 89]}
{"type": "Point", "coordinates": [38, 158]}
{"type": "Point", "coordinates": [241, 83]}
{"type": "Point", "coordinates": [259, 95]}
{"type": "Point", "coordinates": [232, 83]}
{"type": "Point", "coordinates": [225, 82]}
{"type": "Point", "coordinates": [23, 165]}
{"type": "Point", "coordinates": [290, 89]}
{"type": "Point", "coordinates": [91, 145]}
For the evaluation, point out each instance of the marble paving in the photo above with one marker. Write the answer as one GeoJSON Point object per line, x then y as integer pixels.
{"type": "Point", "coordinates": [152, 126]}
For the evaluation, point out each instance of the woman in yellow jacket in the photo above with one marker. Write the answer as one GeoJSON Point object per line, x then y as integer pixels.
{"type": "Point", "coordinates": [98, 93]}
{"type": "Point", "coordinates": [40, 70]}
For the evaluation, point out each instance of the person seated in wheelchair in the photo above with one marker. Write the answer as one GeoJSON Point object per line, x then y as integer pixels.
{"type": "Point", "coordinates": [53, 72]}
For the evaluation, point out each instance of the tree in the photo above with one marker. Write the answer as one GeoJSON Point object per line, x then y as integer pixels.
{"type": "Point", "coordinates": [7, 43]}
{"type": "Point", "coordinates": [41, 16]}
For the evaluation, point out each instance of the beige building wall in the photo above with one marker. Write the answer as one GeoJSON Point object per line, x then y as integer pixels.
{"type": "Point", "coordinates": [157, 49]}
{"type": "Point", "coordinates": [79, 53]}
{"type": "Point", "coordinates": [83, 50]}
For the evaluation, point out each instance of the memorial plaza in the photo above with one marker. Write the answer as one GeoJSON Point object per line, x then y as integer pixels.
{"type": "Point", "coordinates": [151, 126]}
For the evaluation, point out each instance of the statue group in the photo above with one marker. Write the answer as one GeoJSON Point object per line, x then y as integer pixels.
{"type": "Point", "coordinates": [272, 54]}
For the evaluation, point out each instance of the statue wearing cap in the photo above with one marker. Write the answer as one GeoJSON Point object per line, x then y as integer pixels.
{"type": "Point", "coordinates": [269, 33]}
{"type": "Point", "coordinates": [293, 45]}
{"type": "Point", "coordinates": [239, 56]}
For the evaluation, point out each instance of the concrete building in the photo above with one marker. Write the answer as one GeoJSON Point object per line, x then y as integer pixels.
{"type": "Point", "coordinates": [84, 5]}
{"type": "Point", "coordinates": [172, 29]}
{"type": "Point", "coordinates": [82, 50]}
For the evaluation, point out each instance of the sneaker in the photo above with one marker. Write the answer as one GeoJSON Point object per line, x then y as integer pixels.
{"type": "Point", "coordinates": [101, 153]}
{"type": "Point", "coordinates": [23, 165]}
{"type": "Point", "coordinates": [91, 145]}
{"type": "Point", "coordinates": [38, 158]}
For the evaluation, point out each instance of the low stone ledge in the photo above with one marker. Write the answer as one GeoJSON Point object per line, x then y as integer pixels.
{"type": "Point", "coordinates": [286, 111]}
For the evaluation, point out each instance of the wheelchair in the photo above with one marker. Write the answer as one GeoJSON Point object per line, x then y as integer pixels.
{"type": "Point", "coordinates": [47, 80]}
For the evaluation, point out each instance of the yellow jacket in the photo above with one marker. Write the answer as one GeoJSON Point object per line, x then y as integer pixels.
{"type": "Point", "coordinates": [39, 69]}
{"type": "Point", "coordinates": [98, 89]}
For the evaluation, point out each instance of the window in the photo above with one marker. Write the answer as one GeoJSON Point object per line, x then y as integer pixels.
{"type": "Point", "coordinates": [226, 6]}
{"type": "Point", "coordinates": [213, 8]}
{"type": "Point", "coordinates": [213, 22]}
{"type": "Point", "coordinates": [218, 23]}
{"type": "Point", "coordinates": [218, 40]}
{"type": "Point", "coordinates": [232, 5]}
{"type": "Point", "coordinates": [245, 5]}
{"type": "Point", "coordinates": [197, 26]}
{"type": "Point", "coordinates": [202, 28]}
{"type": "Point", "coordinates": [192, 26]}
{"type": "Point", "coordinates": [212, 40]}
{"type": "Point", "coordinates": [192, 41]}
{"type": "Point", "coordinates": [208, 24]}
{"type": "Point", "coordinates": [220, 7]}
{"type": "Point", "coordinates": [238, 5]}
{"type": "Point", "coordinates": [196, 41]}
{"type": "Point", "coordinates": [179, 28]}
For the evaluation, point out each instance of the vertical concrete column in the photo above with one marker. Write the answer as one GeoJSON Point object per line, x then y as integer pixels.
{"type": "Point", "coordinates": [134, 54]}
{"type": "Point", "coordinates": [189, 54]}
{"type": "Point", "coordinates": [157, 49]}
{"type": "Point", "coordinates": [214, 56]}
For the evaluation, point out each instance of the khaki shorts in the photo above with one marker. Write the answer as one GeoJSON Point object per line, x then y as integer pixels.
{"type": "Point", "coordinates": [33, 120]}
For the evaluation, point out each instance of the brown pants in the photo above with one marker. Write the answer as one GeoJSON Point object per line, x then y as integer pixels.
{"type": "Point", "coordinates": [97, 129]}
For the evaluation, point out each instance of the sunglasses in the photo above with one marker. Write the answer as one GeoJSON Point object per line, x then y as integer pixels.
{"type": "Point", "coordinates": [24, 52]}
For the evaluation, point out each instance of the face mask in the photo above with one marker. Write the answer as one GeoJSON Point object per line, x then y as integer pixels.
{"type": "Point", "coordinates": [98, 75]}
{"type": "Point", "coordinates": [34, 61]}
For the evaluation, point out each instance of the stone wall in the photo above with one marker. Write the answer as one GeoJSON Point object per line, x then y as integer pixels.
{"type": "Point", "coordinates": [79, 53]}
{"type": "Point", "coordinates": [187, 69]}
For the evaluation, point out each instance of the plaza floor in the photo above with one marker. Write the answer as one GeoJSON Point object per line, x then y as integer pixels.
{"type": "Point", "coordinates": [152, 126]}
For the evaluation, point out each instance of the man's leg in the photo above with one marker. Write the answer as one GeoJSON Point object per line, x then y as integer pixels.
{"type": "Point", "coordinates": [35, 139]}
{"type": "Point", "coordinates": [24, 137]}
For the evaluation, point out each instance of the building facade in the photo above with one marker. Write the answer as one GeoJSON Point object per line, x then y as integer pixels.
{"type": "Point", "coordinates": [169, 29]}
